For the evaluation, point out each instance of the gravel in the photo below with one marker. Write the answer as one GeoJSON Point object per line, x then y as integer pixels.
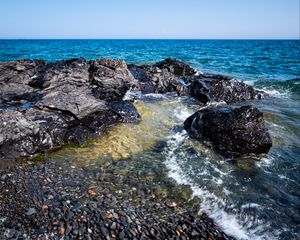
{"type": "Point", "coordinates": [55, 200]}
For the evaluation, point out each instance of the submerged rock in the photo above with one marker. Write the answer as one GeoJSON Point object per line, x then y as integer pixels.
{"type": "Point", "coordinates": [232, 131]}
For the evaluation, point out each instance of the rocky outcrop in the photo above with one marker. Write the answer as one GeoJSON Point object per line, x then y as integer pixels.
{"type": "Point", "coordinates": [217, 88]}
{"type": "Point", "coordinates": [162, 77]}
{"type": "Point", "coordinates": [45, 105]}
{"type": "Point", "coordinates": [176, 67]}
{"type": "Point", "coordinates": [232, 131]}
{"type": "Point", "coordinates": [15, 78]}
{"type": "Point", "coordinates": [112, 79]}
{"type": "Point", "coordinates": [172, 75]}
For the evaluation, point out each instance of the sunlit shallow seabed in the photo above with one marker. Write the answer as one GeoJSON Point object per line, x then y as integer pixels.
{"type": "Point", "coordinates": [243, 196]}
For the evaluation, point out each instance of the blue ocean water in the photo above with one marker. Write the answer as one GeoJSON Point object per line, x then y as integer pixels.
{"type": "Point", "coordinates": [253, 199]}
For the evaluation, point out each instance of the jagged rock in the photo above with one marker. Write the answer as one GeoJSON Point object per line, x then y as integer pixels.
{"type": "Point", "coordinates": [15, 78]}
{"type": "Point", "coordinates": [172, 75]}
{"type": "Point", "coordinates": [232, 131]}
{"type": "Point", "coordinates": [218, 88]}
{"type": "Point", "coordinates": [162, 77]}
{"type": "Point", "coordinates": [45, 105]}
{"type": "Point", "coordinates": [70, 101]}
{"type": "Point", "coordinates": [112, 79]}
{"type": "Point", "coordinates": [176, 67]}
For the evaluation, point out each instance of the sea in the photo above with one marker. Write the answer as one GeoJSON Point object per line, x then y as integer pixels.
{"type": "Point", "coordinates": [255, 197]}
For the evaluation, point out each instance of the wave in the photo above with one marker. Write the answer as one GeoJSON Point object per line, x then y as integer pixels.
{"type": "Point", "coordinates": [281, 89]}
{"type": "Point", "coordinates": [211, 204]}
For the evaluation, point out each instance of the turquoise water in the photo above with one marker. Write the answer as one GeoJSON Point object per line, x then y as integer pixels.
{"type": "Point", "coordinates": [254, 198]}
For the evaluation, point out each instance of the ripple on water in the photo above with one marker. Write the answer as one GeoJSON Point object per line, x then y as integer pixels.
{"type": "Point", "coordinates": [248, 198]}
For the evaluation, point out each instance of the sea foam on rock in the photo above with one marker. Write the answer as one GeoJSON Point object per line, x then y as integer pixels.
{"type": "Point", "coordinates": [232, 131]}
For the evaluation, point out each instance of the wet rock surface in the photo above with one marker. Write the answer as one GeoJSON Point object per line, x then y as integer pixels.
{"type": "Point", "coordinates": [232, 131]}
{"type": "Point", "coordinates": [50, 200]}
{"type": "Point", "coordinates": [162, 77]}
{"type": "Point", "coordinates": [217, 88]}
{"type": "Point", "coordinates": [44, 106]}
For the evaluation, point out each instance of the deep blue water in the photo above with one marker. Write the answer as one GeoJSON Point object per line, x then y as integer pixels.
{"type": "Point", "coordinates": [245, 59]}
{"type": "Point", "coordinates": [254, 199]}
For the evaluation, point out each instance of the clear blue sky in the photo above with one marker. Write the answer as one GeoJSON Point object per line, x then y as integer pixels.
{"type": "Point", "coordinates": [149, 19]}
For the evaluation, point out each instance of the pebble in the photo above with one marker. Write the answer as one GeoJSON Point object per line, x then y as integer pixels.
{"type": "Point", "coordinates": [76, 211]}
{"type": "Point", "coordinates": [171, 204]}
{"type": "Point", "coordinates": [121, 235]}
{"type": "Point", "coordinates": [61, 231]}
{"type": "Point", "coordinates": [91, 192]}
{"type": "Point", "coordinates": [31, 211]}
{"type": "Point", "coordinates": [113, 226]}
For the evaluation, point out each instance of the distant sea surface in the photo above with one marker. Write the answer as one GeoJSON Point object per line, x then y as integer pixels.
{"type": "Point", "coordinates": [254, 198]}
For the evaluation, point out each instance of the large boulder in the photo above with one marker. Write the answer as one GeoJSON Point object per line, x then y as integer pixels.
{"type": "Point", "coordinates": [162, 77]}
{"type": "Point", "coordinates": [232, 131]}
{"type": "Point", "coordinates": [62, 102]}
{"type": "Point", "coordinates": [218, 88]}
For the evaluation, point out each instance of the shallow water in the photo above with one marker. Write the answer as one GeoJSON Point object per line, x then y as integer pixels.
{"type": "Point", "coordinates": [254, 197]}
{"type": "Point", "coordinates": [250, 198]}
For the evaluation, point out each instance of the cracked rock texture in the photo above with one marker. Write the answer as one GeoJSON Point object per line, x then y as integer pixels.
{"type": "Point", "coordinates": [45, 105]}
{"type": "Point", "coordinates": [232, 131]}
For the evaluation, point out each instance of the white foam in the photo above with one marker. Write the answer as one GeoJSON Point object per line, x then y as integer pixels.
{"type": "Point", "coordinates": [251, 205]}
{"type": "Point", "coordinates": [275, 93]}
{"type": "Point", "coordinates": [182, 113]}
{"type": "Point", "coordinates": [265, 161]}
{"type": "Point", "coordinates": [131, 95]}
{"type": "Point", "coordinates": [155, 95]}
{"type": "Point", "coordinates": [249, 82]}
{"type": "Point", "coordinates": [198, 72]}
{"type": "Point", "coordinates": [211, 204]}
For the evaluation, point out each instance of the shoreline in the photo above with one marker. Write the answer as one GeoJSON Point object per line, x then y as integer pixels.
{"type": "Point", "coordinates": [50, 200]}
{"type": "Point", "coordinates": [48, 105]}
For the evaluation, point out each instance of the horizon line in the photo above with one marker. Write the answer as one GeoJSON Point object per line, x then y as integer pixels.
{"type": "Point", "coordinates": [150, 39]}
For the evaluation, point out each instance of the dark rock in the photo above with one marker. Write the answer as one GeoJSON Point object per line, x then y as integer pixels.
{"type": "Point", "coordinates": [218, 88]}
{"type": "Point", "coordinates": [104, 231]}
{"type": "Point", "coordinates": [162, 77]}
{"type": "Point", "coordinates": [232, 131]}
{"type": "Point", "coordinates": [155, 80]}
{"type": "Point", "coordinates": [15, 78]}
{"type": "Point", "coordinates": [176, 67]}
{"type": "Point", "coordinates": [45, 105]}
{"type": "Point", "coordinates": [112, 78]}
{"type": "Point", "coordinates": [121, 235]}
{"type": "Point", "coordinates": [70, 102]}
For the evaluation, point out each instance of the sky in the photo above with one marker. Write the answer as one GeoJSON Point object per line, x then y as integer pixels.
{"type": "Point", "coordinates": [160, 19]}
